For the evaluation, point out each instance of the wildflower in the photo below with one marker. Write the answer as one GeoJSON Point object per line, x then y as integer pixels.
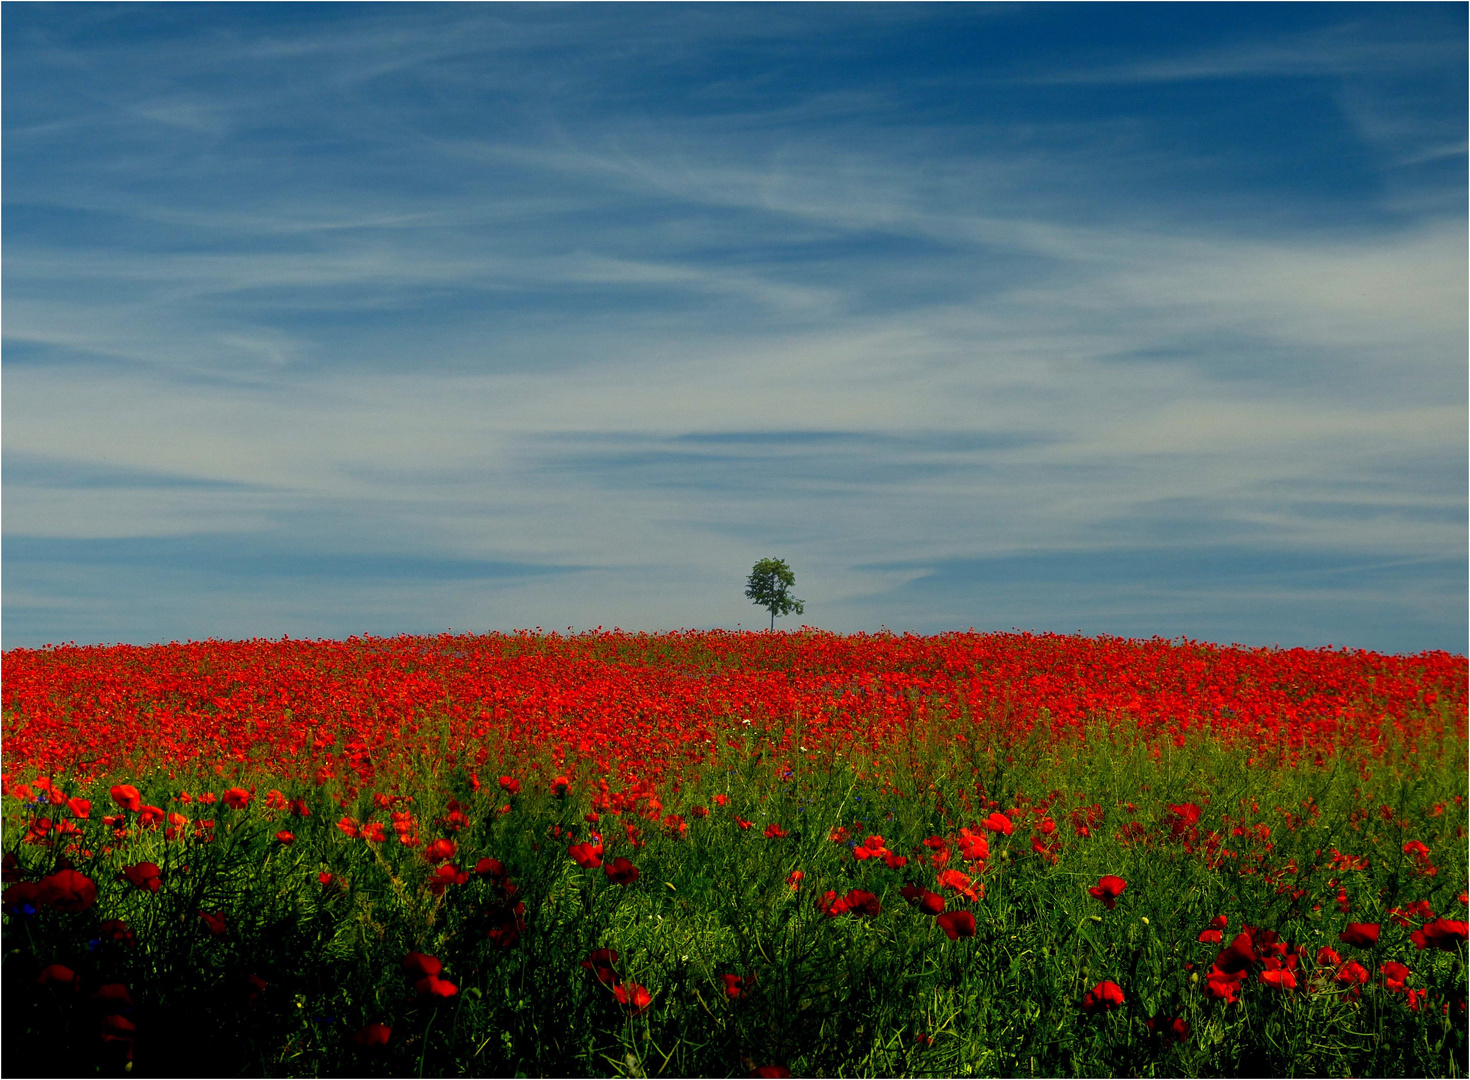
{"type": "Point", "coordinates": [1277, 972]}
{"type": "Point", "coordinates": [1162, 1027]}
{"type": "Point", "coordinates": [958, 882]}
{"type": "Point", "coordinates": [286, 837]}
{"type": "Point", "coordinates": [737, 986]}
{"type": "Point", "coordinates": [373, 832]}
{"type": "Point", "coordinates": [930, 903]}
{"type": "Point", "coordinates": [1108, 888]}
{"type": "Point", "coordinates": [956, 924]}
{"type": "Point", "coordinates": [507, 923]}
{"type": "Point", "coordinates": [510, 785]}
{"type": "Point", "coordinates": [349, 827]}
{"type": "Point", "coordinates": [373, 1037]}
{"type": "Point", "coordinates": [150, 816]}
{"type": "Point", "coordinates": [998, 823]}
{"type": "Point", "coordinates": [771, 1072]}
{"type": "Point", "coordinates": [721, 799]}
{"type": "Point", "coordinates": [1104, 997]}
{"type": "Point", "coordinates": [440, 851]}
{"type": "Point", "coordinates": [214, 923]}
{"type": "Point", "coordinates": [636, 997]}
{"type": "Point", "coordinates": [445, 876]}
{"type": "Point", "coordinates": [620, 871]}
{"type": "Point", "coordinates": [126, 796]}
{"type": "Point", "coordinates": [743, 823]}
{"type": "Point", "coordinates": [418, 965]}
{"type": "Point", "coordinates": [586, 856]}
{"type": "Point", "coordinates": [433, 986]}
{"type": "Point", "coordinates": [1328, 957]}
{"type": "Point", "coordinates": [114, 994]}
{"type": "Point", "coordinates": [1394, 975]}
{"type": "Point", "coordinates": [559, 786]}
{"type": "Point", "coordinates": [118, 931]}
{"type": "Point", "coordinates": [1360, 935]}
{"type": "Point", "coordinates": [794, 879]}
{"type": "Point", "coordinates": [145, 876]}
{"type": "Point", "coordinates": [80, 808]}
{"type": "Point", "coordinates": [492, 868]}
{"type": "Point", "coordinates": [59, 975]}
{"type": "Point", "coordinates": [862, 902]}
{"type": "Point", "coordinates": [775, 832]}
{"type": "Point", "coordinates": [895, 862]}
{"type": "Point", "coordinates": [830, 904]}
{"type": "Point", "coordinates": [1444, 934]}
{"type": "Point", "coordinates": [237, 798]}
{"type": "Point", "coordinates": [67, 890]}
{"type": "Point", "coordinates": [601, 963]}
{"type": "Point", "coordinates": [1351, 974]}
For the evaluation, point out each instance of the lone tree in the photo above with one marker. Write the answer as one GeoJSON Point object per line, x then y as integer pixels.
{"type": "Point", "coordinates": [767, 585]}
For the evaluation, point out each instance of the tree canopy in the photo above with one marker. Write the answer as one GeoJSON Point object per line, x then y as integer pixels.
{"type": "Point", "coordinates": [767, 587]}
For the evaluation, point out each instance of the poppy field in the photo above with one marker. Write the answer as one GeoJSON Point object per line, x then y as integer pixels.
{"type": "Point", "coordinates": [730, 854]}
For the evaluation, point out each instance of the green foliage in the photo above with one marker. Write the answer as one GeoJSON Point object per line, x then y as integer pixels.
{"type": "Point", "coordinates": [767, 587]}
{"type": "Point", "coordinates": [850, 995]}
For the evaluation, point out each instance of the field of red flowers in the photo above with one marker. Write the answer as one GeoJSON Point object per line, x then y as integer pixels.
{"type": "Point", "coordinates": [710, 853]}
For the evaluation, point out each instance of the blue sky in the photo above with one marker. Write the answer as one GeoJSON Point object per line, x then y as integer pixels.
{"type": "Point", "coordinates": [322, 320]}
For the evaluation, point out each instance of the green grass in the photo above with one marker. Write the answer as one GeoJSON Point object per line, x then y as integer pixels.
{"type": "Point", "coordinates": [889, 995]}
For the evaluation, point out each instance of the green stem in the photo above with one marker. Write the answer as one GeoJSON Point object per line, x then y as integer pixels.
{"type": "Point", "coordinates": [424, 1053]}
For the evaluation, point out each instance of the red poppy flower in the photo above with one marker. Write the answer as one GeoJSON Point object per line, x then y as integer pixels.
{"type": "Point", "coordinates": [1108, 888]}
{"type": "Point", "coordinates": [349, 827]}
{"type": "Point", "coordinates": [560, 785]}
{"type": "Point", "coordinates": [1224, 984]}
{"type": "Point", "coordinates": [1219, 922]}
{"type": "Point", "coordinates": [738, 986]}
{"type": "Point", "coordinates": [601, 963]}
{"type": "Point", "coordinates": [433, 986]}
{"type": "Point", "coordinates": [636, 997]}
{"type": "Point", "coordinates": [373, 1037]}
{"type": "Point", "coordinates": [510, 785]}
{"type": "Point", "coordinates": [286, 837]}
{"type": "Point", "coordinates": [420, 965]}
{"type": "Point", "coordinates": [126, 796]}
{"type": "Point", "coordinates": [1103, 997]}
{"type": "Point", "coordinates": [118, 931]}
{"type": "Point", "coordinates": [794, 878]}
{"type": "Point", "coordinates": [1238, 955]}
{"type": "Point", "coordinates": [1394, 975]}
{"type": "Point", "coordinates": [118, 1029]}
{"type": "Point", "coordinates": [1328, 957]}
{"type": "Point", "coordinates": [620, 871]}
{"type": "Point", "coordinates": [114, 994]}
{"type": "Point", "coordinates": [1163, 1027]}
{"type": "Point", "coordinates": [895, 862]}
{"type": "Point", "coordinates": [145, 876]}
{"type": "Point", "coordinates": [67, 890]}
{"type": "Point", "coordinates": [956, 924]}
{"type": "Point", "coordinates": [953, 879]}
{"type": "Point", "coordinates": [1278, 973]}
{"type": "Point", "coordinates": [1351, 974]}
{"type": "Point", "coordinates": [445, 876]}
{"type": "Point", "coordinates": [743, 823]}
{"type": "Point", "coordinates": [1360, 935]}
{"type": "Point", "coordinates": [1444, 934]}
{"type": "Point", "coordinates": [586, 856]}
{"type": "Point", "coordinates": [506, 924]}
{"type": "Point", "coordinates": [830, 904]}
{"type": "Point", "coordinates": [493, 868]}
{"type": "Point", "coordinates": [440, 851]}
{"type": "Point", "coordinates": [59, 975]}
{"type": "Point", "coordinates": [771, 1072]}
{"type": "Point", "coordinates": [998, 823]}
{"type": "Point", "coordinates": [974, 846]}
{"type": "Point", "coordinates": [775, 832]}
{"type": "Point", "coordinates": [80, 808]}
{"type": "Point", "coordinates": [237, 798]}
{"type": "Point", "coordinates": [861, 902]}
{"type": "Point", "coordinates": [1209, 937]}
{"type": "Point", "coordinates": [214, 923]}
